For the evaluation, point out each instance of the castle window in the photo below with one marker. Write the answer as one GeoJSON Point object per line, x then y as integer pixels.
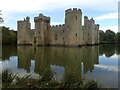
{"type": "Point", "coordinates": [88, 34]}
{"type": "Point", "coordinates": [76, 34]}
{"type": "Point", "coordinates": [55, 38]}
{"type": "Point", "coordinates": [63, 38]}
{"type": "Point", "coordinates": [68, 26]}
{"type": "Point", "coordinates": [20, 36]}
{"type": "Point", "coordinates": [63, 30]}
{"type": "Point", "coordinates": [34, 39]}
{"type": "Point", "coordinates": [76, 17]}
{"type": "Point", "coordinates": [47, 27]}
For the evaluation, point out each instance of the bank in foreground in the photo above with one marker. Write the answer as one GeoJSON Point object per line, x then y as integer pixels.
{"type": "Point", "coordinates": [10, 80]}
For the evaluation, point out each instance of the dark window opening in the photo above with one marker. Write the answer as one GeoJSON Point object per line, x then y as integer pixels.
{"type": "Point", "coordinates": [63, 38]}
{"type": "Point", "coordinates": [55, 37]}
{"type": "Point", "coordinates": [20, 36]}
{"type": "Point", "coordinates": [34, 39]}
{"type": "Point", "coordinates": [68, 26]}
{"type": "Point", "coordinates": [76, 34]}
{"type": "Point", "coordinates": [76, 17]}
{"type": "Point", "coordinates": [63, 30]}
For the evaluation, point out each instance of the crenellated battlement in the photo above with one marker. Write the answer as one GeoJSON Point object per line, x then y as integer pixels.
{"type": "Point", "coordinates": [71, 33]}
{"type": "Point", "coordinates": [57, 26]}
{"type": "Point", "coordinates": [41, 17]}
{"type": "Point", "coordinates": [73, 11]}
{"type": "Point", "coordinates": [92, 20]}
{"type": "Point", "coordinates": [25, 19]}
{"type": "Point", "coordinates": [97, 25]}
{"type": "Point", "coordinates": [85, 17]}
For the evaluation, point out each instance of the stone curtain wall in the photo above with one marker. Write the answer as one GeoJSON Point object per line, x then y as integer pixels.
{"type": "Point", "coordinates": [72, 33]}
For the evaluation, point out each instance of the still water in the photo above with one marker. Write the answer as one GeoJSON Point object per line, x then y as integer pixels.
{"type": "Point", "coordinates": [93, 62]}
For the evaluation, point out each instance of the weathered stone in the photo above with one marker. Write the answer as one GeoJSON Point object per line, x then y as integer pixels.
{"type": "Point", "coordinates": [71, 33]}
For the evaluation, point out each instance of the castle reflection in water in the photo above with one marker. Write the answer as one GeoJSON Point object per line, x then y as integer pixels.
{"type": "Point", "coordinates": [69, 58]}
{"type": "Point", "coordinates": [64, 61]}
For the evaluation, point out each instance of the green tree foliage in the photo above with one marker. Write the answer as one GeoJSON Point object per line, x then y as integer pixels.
{"type": "Point", "coordinates": [1, 19]}
{"type": "Point", "coordinates": [9, 36]}
{"type": "Point", "coordinates": [102, 35]}
{"type": "Point", "coordinates": [107, 37]}
{"type": "Point", "coordinates": [117, 37]}
{"type": "Point", "coordinates": [110, 36]}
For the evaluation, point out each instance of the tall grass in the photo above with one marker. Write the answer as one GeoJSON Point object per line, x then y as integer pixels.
{"type": "Point", "coordinates": [10, 80]}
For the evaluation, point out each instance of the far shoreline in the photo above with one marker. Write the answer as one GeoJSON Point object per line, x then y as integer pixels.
{"type": "Point", "coordinates": [59, 45]}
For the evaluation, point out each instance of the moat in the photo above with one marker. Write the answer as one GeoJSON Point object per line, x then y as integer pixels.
{"type": "Point", "coordinates": [98, 62]}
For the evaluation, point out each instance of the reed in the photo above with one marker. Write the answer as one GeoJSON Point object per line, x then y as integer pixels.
{"type": "Point", "coordinates": [10, 80]}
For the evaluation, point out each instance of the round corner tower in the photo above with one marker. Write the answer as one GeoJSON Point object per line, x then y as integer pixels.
{"type": "Point", "coordinates": [73, 21]}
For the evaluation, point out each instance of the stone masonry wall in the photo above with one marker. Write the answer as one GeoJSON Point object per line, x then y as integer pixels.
{"type": "Point", "coordinates": [72, 33]}
{"type": "Point", "coordinates": [73, 22]}
{"type": "Point", "coordinates": [57, 35]}
{"type": "Point", "coordinates": [24, 32]}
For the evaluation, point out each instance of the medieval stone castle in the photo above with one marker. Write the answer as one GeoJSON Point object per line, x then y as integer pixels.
{"type": "Point", "coordinates": [72, 33]}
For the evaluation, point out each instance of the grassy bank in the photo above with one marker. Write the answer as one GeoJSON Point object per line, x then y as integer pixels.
{"type": "Point", "coordinates": [10, 80]}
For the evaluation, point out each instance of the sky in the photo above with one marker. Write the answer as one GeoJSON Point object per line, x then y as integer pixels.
{"type": "Point", "coordinates": [104, 12]}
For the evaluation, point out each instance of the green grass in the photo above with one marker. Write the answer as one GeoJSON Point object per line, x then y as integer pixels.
{"type": "Point", "coordinates": [9, 80]}
{"type": "Point", "coordinates": [107, 42]}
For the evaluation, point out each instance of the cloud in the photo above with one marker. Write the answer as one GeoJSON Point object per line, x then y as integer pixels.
{"type": "Point", "coordinates": [36, 5]}
{"type": "Point", "coordinates": [107, 16]}
{"type": "Point", "coordinates": [16, 7]}
{"type": "Point", "coordinates": [115, 56]}
{"type": "Point", "coordinates": [109, 68]}
{"type": "Point", "coordinates": [113, 28]}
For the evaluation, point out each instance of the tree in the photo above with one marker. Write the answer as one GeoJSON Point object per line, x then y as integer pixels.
{"type": "Point", "coordinates": [110, 36]}
{"type": "Point", "coordinates": [9, 36]}
{"type": "Point", "coordinates": [117, 37]}
{"type": "Point", "coordinates": [101, 36]}
{"type": "Point", "coordinates": [1, 19]}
